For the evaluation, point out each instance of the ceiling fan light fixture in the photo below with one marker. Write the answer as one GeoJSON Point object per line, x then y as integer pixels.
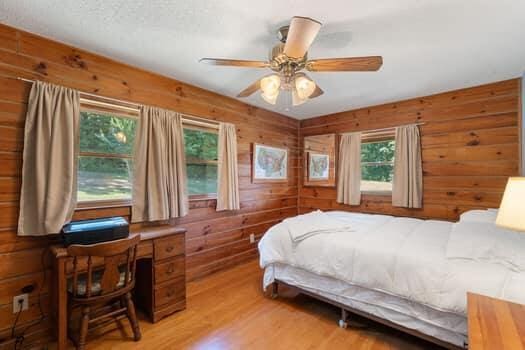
{"type": "Point", "coordinates": [270, 98]}
{"type": "Point", "coordinates": [270, 85]}
{"type": "Point", "coordinates": [289, 58]}
{"type": "Point", "coordinates": [304, 86]}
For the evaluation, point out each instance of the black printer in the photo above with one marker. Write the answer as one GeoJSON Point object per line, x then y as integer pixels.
{"type": "Point", "coordinates": [95, 231]}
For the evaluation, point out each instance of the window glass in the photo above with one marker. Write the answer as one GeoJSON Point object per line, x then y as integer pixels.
{"type": "Point", "coordinates": [106, 133]}
{"type": "Point", "coordinates": [105, 166]}
{"type": "Point", "coordinates": [104, 178]}
{"type": "Point", "coordinates": [201, 161]}
{"type": "Point", "coordinates": [377, 166]}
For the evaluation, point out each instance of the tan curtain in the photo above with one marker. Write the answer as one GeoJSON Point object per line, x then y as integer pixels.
{"type": "Point", "coordinates": [159, 175]}
{"type": "Point", "coordinates": [228, 175]}
{"type": "Point", "coordinates": [349, 177]}
{"type": "Point", "coordinates": [49, 173]}
{"type": "Point", "coordinates": [407, 187]}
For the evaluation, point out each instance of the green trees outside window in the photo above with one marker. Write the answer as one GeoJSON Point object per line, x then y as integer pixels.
{"type": "Point", "coordinates": [201, 161]}
{"type": "Point", "coordinates": [377, 166]}
{"type": "Point", "coordinates": [105, 166]}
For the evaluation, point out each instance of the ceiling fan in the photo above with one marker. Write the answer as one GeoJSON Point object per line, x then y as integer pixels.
{"type": "Point", "coordinates": [289, 57]}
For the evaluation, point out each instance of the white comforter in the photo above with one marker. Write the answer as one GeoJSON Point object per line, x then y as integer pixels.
{"type": "Point", "coordinates": [404, 257]}
{"type": "Point", "coordinates": [315, 223]}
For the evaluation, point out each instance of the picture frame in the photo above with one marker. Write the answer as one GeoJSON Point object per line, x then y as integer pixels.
{"type": "Point", "coordinates": [315, 147]}
{"type": "Point", "coordinates": [269, 163]}
{"type": "Point", "coordinates": [318, 166]}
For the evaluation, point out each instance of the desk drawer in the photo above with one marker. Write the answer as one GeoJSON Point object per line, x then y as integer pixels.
{"type": "Point", "coordinates": [168, 247]}
{"type": "Point", "coordinates": [170, 292]}
{"type": "Point", "coordinates": [170, 269]}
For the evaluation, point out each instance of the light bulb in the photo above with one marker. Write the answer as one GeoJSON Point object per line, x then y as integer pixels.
{"type": "Point", "coordinates": [270, 85]}
{"type": "Point", "coordinates": [305, 87]}
{"type": "Point", "coordinates": [271, 99]}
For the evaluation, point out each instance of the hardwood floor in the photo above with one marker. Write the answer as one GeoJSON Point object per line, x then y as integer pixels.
{"type": "Point", "coordinates": [228, 310]}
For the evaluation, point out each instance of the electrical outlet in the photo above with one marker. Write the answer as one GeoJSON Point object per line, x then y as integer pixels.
{"type": "Point", "coordinates": [20, 301]}
{"type": "Point", "coordinates": [252, 238]}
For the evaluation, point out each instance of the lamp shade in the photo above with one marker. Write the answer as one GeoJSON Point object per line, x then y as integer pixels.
{"type": "Point", "coordinates": [271, 99]}
{"type": "Point", "coordinates": [296, 100]}
{"type": "Point", "coordinates": [511, 213]}
{"type": "Point", "coordinates": [270, 85]}
{"type": "Point", "coordinates": [304, 86]}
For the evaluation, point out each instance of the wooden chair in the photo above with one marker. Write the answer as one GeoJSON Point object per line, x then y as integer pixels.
{"type": "Point", "coordinates": [103, 273]}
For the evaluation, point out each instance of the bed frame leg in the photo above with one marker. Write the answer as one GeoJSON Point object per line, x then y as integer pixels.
{"type": "Point", "coordinates": [344, 317]}
{"type": "Point", "coordinates": [275, 290]}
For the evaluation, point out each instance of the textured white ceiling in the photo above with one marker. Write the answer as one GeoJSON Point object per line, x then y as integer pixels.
{"type": "Point", "coordinates": [427, 46]}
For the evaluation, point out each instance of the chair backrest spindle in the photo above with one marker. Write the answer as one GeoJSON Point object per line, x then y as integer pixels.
{"type": "Point", "coordinates": [75, 276]}
{"type": "Point", "coordinates": [89, 276]}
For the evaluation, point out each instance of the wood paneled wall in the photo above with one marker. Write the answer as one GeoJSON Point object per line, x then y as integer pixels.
{"type": "Point", "coordinates": [214, 240]}
{"type": "Point", "coordinates": [470, 145]}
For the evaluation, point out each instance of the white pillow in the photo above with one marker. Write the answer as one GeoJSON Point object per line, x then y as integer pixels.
{"type": "Point", "coordinates": [479, 215]}
{"type": "Point", "coordinates": [484, 241]}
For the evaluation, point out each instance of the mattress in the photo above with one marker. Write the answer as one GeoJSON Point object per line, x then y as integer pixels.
{"type": "Point", "coordinates": [449, 327]}
{"type": "Point", "coordinates": [396, 259]}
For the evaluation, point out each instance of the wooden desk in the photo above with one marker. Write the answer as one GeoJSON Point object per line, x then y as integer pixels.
{"type": "Point", "coordinates": [495, 324]}
{"type": "Point", "coordinates": [160, 288]}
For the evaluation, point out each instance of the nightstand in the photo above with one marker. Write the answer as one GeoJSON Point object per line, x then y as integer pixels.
{"type": "Point", "coordinates": [495, 324]}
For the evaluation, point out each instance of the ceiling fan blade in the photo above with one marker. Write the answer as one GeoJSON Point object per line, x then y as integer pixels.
{"type": "Point", "coordinates": [250, 89]}
{"type": "Point", "coordinates": [234, 63]}
{"type": "Point", "coordinates": [348, 64]}
{"type": "Point", "coordinates": [301, 35]}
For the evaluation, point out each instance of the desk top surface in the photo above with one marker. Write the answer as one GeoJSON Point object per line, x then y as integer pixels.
{"type": "Point", "coordinates": [495, 324]}
{"type": "Point", "coordinates": [59, 250]}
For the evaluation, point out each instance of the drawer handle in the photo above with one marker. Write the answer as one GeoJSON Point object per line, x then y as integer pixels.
{"type": "Point", "coordinates": [169, 249]}
{"type": "Point", "coordinates": [171, 268]}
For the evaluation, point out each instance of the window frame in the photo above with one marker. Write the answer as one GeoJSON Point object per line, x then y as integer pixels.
{"type": "Point", "coordinates": [128, 110]}
{"type": "Point", "coordinates": [205, 127]}
{"type": "Point", "coordinates": [374, 137]}
{"type": "Point", "coordinates": [95, 106]}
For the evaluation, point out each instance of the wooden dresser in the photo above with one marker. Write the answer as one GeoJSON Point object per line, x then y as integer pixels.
{"type": "Point", "coordinates": [495, 324]}
{"type": "Point", "coordinates": [160, 288]}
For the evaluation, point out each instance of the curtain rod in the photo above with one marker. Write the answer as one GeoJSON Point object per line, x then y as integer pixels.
{"type": "Point", "coordinates": [384, 129]}
{"type": "Point", "coordinates": [202, 121]}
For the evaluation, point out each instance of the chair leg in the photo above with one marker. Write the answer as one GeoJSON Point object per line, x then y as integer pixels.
{"type": "Point", "coordinates": [84, 323]}
{"type": "Point", "coordinates": [132, 317]}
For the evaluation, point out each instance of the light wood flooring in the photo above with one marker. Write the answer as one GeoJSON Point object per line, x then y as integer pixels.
{"type": "Point", "coordinates": [228, 310]}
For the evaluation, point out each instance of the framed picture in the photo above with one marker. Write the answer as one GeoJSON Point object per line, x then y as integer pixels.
{"type": "Point", "coordinates": [319, 158]}
{"type": "Point", "coordinates": [269, 164]}
{"type": "Point", "coordinates": [318, 166]}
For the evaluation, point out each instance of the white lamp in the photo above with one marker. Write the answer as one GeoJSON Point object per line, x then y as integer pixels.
{"type": "Point", "coordinates": [511, 213]}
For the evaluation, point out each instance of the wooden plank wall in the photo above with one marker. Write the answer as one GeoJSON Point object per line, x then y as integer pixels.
{"type": "Point", "coordinates": [470, 145]}
{"type": "Point", "coordinates": [214, 240]}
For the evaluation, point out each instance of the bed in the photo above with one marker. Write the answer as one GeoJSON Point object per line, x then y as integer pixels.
{"type": "Point", "coordinates": [409, 273]}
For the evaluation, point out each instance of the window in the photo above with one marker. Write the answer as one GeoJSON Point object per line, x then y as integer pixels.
{"type": "Point", "coordinates": [105, 165]}
{"type": "Point", "coordinates": [201, 160]}
{"type": "Point", "coordinates": [377, 165]}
